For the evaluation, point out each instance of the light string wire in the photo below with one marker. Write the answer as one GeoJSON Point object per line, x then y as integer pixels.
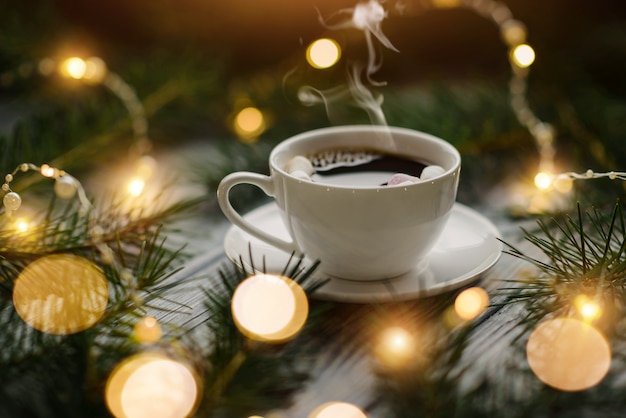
{"type": "Point", "coordinates": [66, 187]}
{"type": "Point", "coordinates": [521, 56]}
{"type": "Point", "coordinates": [91, 71]}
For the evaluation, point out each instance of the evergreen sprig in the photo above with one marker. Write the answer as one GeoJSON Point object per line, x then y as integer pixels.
{"type": "Point", "coordinates": [582, 256]}
{"type": "Point", "coordinates": [243, 376]}
{"type": "Point", "coordinates": [64, 375]}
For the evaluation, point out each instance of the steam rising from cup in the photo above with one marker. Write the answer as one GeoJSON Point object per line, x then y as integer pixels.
{"type": "Point", "coordinates": [366, 17]}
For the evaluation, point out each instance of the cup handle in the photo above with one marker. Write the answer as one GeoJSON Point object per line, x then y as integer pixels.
{"type": "Point", "coordinates": [264, 183]}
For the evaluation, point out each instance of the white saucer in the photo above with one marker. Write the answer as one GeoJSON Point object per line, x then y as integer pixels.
{"type": "Point", "coordinates": [467, 248]}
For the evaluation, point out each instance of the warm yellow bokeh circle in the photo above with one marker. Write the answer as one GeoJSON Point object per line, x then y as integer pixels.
{"type": "Point", "coordinates": [61, 294]}
{"type": "Point", "coordinates": [337, 410]}
{"type": "Point", "coordinates": [395, 346]}
{"type": "Point", "coordinates": [150, 385]}
{"type": "Point", "coordinates": [568, 354]}
{"type": "Point", "coordinates": [269, 308]}
{"type": "Point", "coordinates": [323, 53]}
{"type": "Point", "coordinates": [471, 302]}
{"type": "Point", "coordinates": [249, 123]}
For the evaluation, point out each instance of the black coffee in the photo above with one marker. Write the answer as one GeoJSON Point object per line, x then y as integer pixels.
{"type": "Point", "coordinates": [361, 167]}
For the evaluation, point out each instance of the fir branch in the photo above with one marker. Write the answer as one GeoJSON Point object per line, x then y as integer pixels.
{"type": "Point", "coordinates": [584, 256]}
{"type": "Point", "coordinates": [245, 376]}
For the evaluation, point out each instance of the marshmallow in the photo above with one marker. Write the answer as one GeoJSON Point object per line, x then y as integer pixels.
{"type": "Point", "coordinates": [402, 179]}
{"type": "Point", "coordinates": [432, 171]}
{"type": "Point", "coordinates": [299, 174]}
{"type": "Point", "coordinates": [299, 163]}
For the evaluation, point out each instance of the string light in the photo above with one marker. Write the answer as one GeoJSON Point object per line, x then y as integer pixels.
{"type": "Point", "coordinates": [471, 302]}
{"type": "Point", "coordinates": [269, 308]}
{"type": "Point", "coordinates": [61, 294]}
{"type": "Point", "coordinates": [249, 123]}
{"type": "Point", "coordinates": [73, 67]}
{"type": "Point", "coordinates": [578, 358]}
{"type": "Point", "coordinates": [136, 186]}
{"type": "Point", "coordinates": [337, 410]}
{"type": "Point", "coordinates": [21, 225]}
{"type": "Point", "coordinates": [588, 308]}
{"type": "Point", "coordinates": [523, 55]}
{"type": "Point", "coordinates": [149, 385]}
{"type": "Point", "coordinates": [93, 70]}
{"type": "Point", "coordinates": [543, 181]}
{"type": "Point", "coordinates": [396, 346]}
{"type": "Point", "coordinates": [323, 53]}
{"type": "Point", "coordinates": [147, 330]}
{"type": "Point", "coordinates": [65, 187]}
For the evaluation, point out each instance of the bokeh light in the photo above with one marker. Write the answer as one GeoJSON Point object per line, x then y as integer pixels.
{"type": "Point", "coordinates": [73, 67]}
{"type": "Point", "coordinates": [523, 55]}
{"type": "Point", "coordinates": [61, 294]}
{"type": "Point", "coordinates": [471, 302]}
{"type": "Point", "coordinates": [588, 308]}
{"type": "Point", "coordinates": [568, 354]}
{"type": "Point", "coordinates": [47, 171]}
{"type": "Point", "coordinates": [147, 330]}
{"type": "Point", "coordinates": [22, 225]}
{"type": "Point", "coordinates": [323, 53]}
{"type": "Point", "coordinates": [269, 308]}
{"type": "Point", "coordinates": [149, 385]}
{"type": "Point", "coordinates": [563, 184]}
{"type": "Point", "coordinates": [396, 346]}
{"type": "Point", "coordinates": [91, 70]}
{"type": "Point", "coordinates": [337, 410]}
{"type": "Point", "coordinates": [249, 123]}
{"type": "Point", "coordinates": [513, 32]}
{"type": "Point", "coordinates": [95, 70]}
{"type": "Point", "coordinates": [146, 167]}
{"type": "Point", "coordinates": [543, 180]}
{"type": "Point", "coordinates": [136, 186]}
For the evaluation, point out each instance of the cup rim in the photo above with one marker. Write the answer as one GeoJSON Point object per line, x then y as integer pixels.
{"type": "Point", "coordinates": [356, 128]}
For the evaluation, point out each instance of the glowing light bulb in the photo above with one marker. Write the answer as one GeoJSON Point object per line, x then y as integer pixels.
{"type": "Point", "coordinates": [568, 354]}
{"type": "Point", "coordinates": [249, 123]}
{"type": "Point", "coordinates": [471, 302]}
{"type": "Point", "coordinates": [543, 180]}
{"type": "Point", "coordinates": [47, 171]}
{"type": "Point", "coordinates": [337, 410]}
{"type": "Point", "coordinates": [269, 308]}
{"type": "Point", "coordinates": [587, 307]}
{"type": "Point", "coordinates": [136, 186]}
{"type": "Point", "coordinates": [151, 385]}
{"type": "Point", "coordinates": [395, 347]}
{"type": "Point", "coordinates": [523, 55]}
{"type": "Point", "coordinates": [73, 67]}
{"type": "Point", "coordinates": [323, 53]}
{"type": "Point", "coordinates": [22, 225]}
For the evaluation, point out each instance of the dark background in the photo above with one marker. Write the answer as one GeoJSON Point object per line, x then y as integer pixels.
{"type": "Point", "coordinates": [252, 34]}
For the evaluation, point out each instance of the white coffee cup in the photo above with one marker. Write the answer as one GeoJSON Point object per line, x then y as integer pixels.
{"type": "Point", "coordinates": [357, 232]}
